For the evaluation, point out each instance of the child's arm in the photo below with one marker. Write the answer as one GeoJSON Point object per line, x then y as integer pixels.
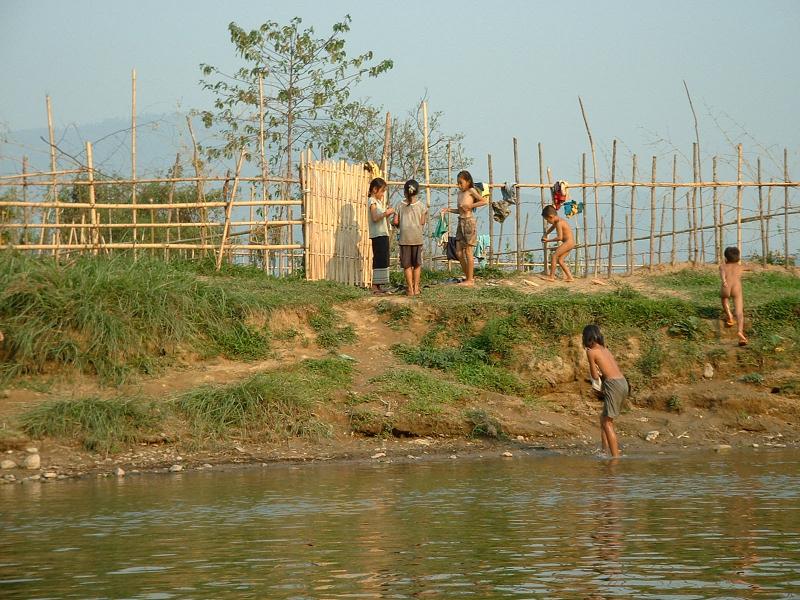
{"type": "Point", "coordinates": [376, 215]}
{"type": "Point", "coordinates": [594, 371]}
{"type": "Point", "coordinates": [548, 232]}
{"type": "Point", "coordinates": [722, 276]}
{"type": "Point", "coordinates": [477, 199]}
{"type": "Point", "coordinates": [424, 218]}
{"type": "Point", "coordinates": [396, 218]}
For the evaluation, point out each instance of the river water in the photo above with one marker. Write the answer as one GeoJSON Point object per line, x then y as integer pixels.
{"type": "Point", "coordinates": [697, 525]}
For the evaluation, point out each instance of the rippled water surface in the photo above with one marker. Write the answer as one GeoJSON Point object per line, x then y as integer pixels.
{"type": "Point", "coordinates": [687, 526]}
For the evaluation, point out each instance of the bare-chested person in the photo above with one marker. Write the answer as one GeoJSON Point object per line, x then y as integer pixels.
{"type": "Point", "coordinates": [563, 235]}
{"type": "Point", "coordinates": [731, 273]}
{"type": "Point", "coordinates": [467, 232]}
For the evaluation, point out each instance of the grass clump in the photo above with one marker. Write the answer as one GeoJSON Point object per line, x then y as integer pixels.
{"type": "Point", "coordinates": [399, 314]}
{"type": "Point", "coordinates": [100, 425]}
{"type": "Point", "coordinates": [483, 424]}
{"type": "Point", "coordinates": [272, 405]}
{"type": "Point", "coordinates": [331, 335]}
{"type": "Point", "coordinates": [426, 394]}
{"type": "Point", "coordinates": [756, 378]}
{"type": "Point", "coordinates": [650, 362]}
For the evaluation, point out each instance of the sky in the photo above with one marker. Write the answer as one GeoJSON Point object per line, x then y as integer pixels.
{"type": "Point", "coordinates": [497, 70]}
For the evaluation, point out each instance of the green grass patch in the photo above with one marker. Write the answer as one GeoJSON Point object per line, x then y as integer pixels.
{"type": "Point", "coordinates": [756, 378]}
{"type": "Point", "coordinates": [483, 424]}
{"type": "Point", "coordinates": [273, 405]}
{"type": "Point", "coordinates": [426, 393]}
{"type": "Point", "coordinates": [398, 314]}
{"type": "Point", "coordinates": [111, 316]}
{"type": "Point", "coordinates": [326, 322]}
{"type": "Point", "coordinates": [101, 425]}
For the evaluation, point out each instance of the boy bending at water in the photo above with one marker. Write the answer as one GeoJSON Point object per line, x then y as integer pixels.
{"type": "Point", "coordinates": [563, 235]}
{"type": "Point", "coordinates": [731, 273]}
{"type": "Point", "coordinates": [609, 381]}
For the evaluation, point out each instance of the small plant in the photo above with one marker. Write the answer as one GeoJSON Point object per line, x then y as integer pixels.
{"type": "Point", "coordinates": [649, 363]}
{"type": "Point", "coordinates": [483, 424]}
{"type": "Point", "coordinates": [331, 335]}
{"type": "Point", "coordinates": [756, 378]}
{"type": "Point", "coordinates": [674, 404]}
{"type": "Point", "coordinates": [688, 328]}
{"type": "Point", "coordinates": [398, 314]}
{"type": "Point", "coordinates": [426, 394]}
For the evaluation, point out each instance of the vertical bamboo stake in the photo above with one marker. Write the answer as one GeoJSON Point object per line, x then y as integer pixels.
{"type": "Point", "coordinates": [92, 211]}
{"type": "Point", "coordinates": [228, 210]}
{"type": "Point", "coordinates": [715, 203]}
{"type": "Point", "coordinates": [26, 211]}
{"type": "Point", "coordinates": [250, 240]}
{"type": "Point", "coordinates": [785, 209]}
{"type": "Point", "coordinates": [674, 209]}
{"type": "Point", "coordinates": [133, 157]}
{"type": "Point", "coordinates": [721, 230]}
{"type": "Point", "coordinates": [545, 249]}
{"type": "Point", "coordinates": [661, 229]}
{"type": "Point", "coordinates": [628, 257]}
{"type": "Point", "coordinates": [198, 184]}
{"type": "Point", "coordinates": [585, 227]}
{"type": "Point", "coordinates": [690, 231]}
{"type": "Point", "coordinates": [652, 212]}
{"type": "Point", "coordinates": [449, 203]}
{"type": "Point", "coordinates": [519, 203]}
{"type": "Point", "coordinates": [387, 137]}
{"type": "Point", "coordinates": [490, 212]}
{"type": "Point", "coordinates": [739, 197]}
{"type": "Point", "coordinates": [693, 213]}
{"type": "Point", "coordinates": [769, 217]}
{"type": "Point", "coordinates": [613, 208]}
{"type": "Point", "coordinates": [264, 167]}
{"type": "Point", "coordinates": [426, 158]}
{"type": "Point", "coordinates": [631, 248]}
{"type": "Point", "coordinates": [761, 215]}
{"type": "Point", "coordinates": [53, 188]}
{"type": "Point", "coordinates": [594, 171]}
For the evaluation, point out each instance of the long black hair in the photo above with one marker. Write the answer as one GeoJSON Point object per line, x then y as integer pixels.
{"type": "Point", "coordinates": [592, 335]}
{"type": "Point", "coordinates": [466, 176]}
{"type": "Point", "coordinates": [376, 184]}
{"type": "Point", "coordinates": [410, 189]}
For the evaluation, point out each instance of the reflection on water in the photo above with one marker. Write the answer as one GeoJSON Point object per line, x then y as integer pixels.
{"type": "Point", "coordinates": [680, 527]}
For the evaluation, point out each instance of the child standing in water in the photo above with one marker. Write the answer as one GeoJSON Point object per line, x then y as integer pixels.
{"type": "Point", "coordinates": [731, 274]}
{"type": "Point", "coordinates": [563, 235]}
{"type": "Point", "coordinates": [411, 217]}
{"type": "Point", "coordinates": [609, 381]}
{"type": "Point", "coordinates": [467, 232]}
{"type": "Point", "coordinates": [379, 234]}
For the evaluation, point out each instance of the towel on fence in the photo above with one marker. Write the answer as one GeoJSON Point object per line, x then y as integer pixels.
{"type": "Point", "coordinates": [500, 210]}
{"type": "Point", "coordinates": [572, 208]}
{"type": "Point", "coordinates": [441, 230]}
{"type": "Point", "coordinates": [480, 249]}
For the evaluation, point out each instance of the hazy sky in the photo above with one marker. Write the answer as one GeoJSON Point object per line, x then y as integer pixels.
{"type": "Point", "coordinates": [497, 69]}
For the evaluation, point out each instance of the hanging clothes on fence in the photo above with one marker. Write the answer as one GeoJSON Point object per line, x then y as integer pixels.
{"type": "Point", "coordinates": [451, 248]}
{"type": "Point", "coordinates": [440, 232]}
{"type": "Point", "coordinates": [572, 208]}
{"type": "Point", "coordinates": [481, 247]}
{"type": "Point", "coordinates": [559, 193]}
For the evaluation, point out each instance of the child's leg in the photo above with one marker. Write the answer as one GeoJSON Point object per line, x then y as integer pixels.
{"type": "Point", "coordinates": [603, 437]}
{"type": "Point", "coordinates": [563, 263]}
{"type": "Point", "coordinates": [469, 264]}
{"type": "Point", "coordinates": [408, 273]}
{"type": "Point", "coordinates": [607, 424]}
{"type": "Point", "coordinates": [724, 295]}
{"type": "Point", "coordinates": [417, 275]}
{"type": "Point", "coordinates": [738, 301]}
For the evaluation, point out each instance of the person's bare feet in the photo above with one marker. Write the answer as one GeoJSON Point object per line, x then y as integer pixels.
{"type": "Point", "coordinates": [469, 282]}
{"type": "Point", "coordinates": [742, 339]}
{"type": "Point", "coordinates": [729, 322]}
{"type": "Point", "coordinates": [569, 280]}
{"type": "Point", "coordinates": [547, 278]}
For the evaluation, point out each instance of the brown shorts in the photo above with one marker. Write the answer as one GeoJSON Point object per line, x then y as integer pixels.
{"type": "Point", "coordinates": [410, 256]}
{"type": "Point", "coordinates": [614, 393]}
{"type": "Point", "coordinates": [467, 232]}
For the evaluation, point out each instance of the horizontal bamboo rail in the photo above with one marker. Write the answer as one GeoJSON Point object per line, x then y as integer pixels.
{"type": "Point", "coordinates": [157, 246]}
{"type": "Point", "coordinates": [138, 207]}
{"type": "Point", "coordinates": [159, 225]}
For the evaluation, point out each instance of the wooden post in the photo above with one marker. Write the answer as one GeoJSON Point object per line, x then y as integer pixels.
{"type": "Point", "coordinates": [387, 137]}
{"type": "Point", "coordinates": [652, 212]}
{"type": "Point", "coordinates": [519, 204]}
{"type": "Point", "coordinates": [631, 245]}
{"type": "Point", "coordinates": [721, 230]}
{"type": "Point", "coordinates": [585, 226]}
{"type": "Point", "coordinates": [53, 188]}
{"type": "Point", "coordinates": [786, 209]}
{"type": "Point", "coordinates": [739, 197]}
{"type": "Point", "coordinates": [769, 217]}
{"type": "Point", "coordinates": [715, 202]}
{"type": "Point", "coordinates": [264, 167]}
{"type": "Point", "coordinates": [697, 225]}
{"type": "Point", "coordinates": [133, 158]}
{"type": "Point", "coordinates": [491, 214]}
{"type": "Point", "coordinates": [761, 215]}
{"type": "Point", "coordinates": [628, 232]}
{"type": "Point", "coordinates": [661, 229]}
{"type": "Point", "coordinates": [199, 184]}
{"type": "Point", "coordinates": [545, 249]}
{"type": "Point", "coordinates": [596, 207]}
{"type": "Point", "coordinates": [426, 158]}
{"type": "Point", "coordinates": [26, 211]}
{"type": "Point", "coordinates": [450, 200]}
{"type": "Point", "coordinates": [228, 209]}
{"type": "Point", "coordinates": [674, 208]}
{"type": "Point", "coordinates": [92, 200]}
{"type": "Point", "coordinates": [613, 208]}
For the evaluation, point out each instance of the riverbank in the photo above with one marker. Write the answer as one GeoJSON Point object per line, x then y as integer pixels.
{"type": "Point", "coordinates": [281, 370]}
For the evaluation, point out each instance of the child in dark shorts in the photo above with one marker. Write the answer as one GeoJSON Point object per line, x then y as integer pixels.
{"type": "Point", "coordinates": [607, 378]}
{"type": "Point", "coordinates": [411, 217]}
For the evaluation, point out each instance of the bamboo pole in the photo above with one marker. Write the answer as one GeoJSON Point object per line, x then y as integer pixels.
{"type": "Point", "coordinates": [585, 226]}
{"type": "Point", "coordinates": [652, 213]}
{"type": "Point", "coordinates": [133, 158]}
{"type": "Point", "coordinates": [698, 250]}
{"type": "Point", "coordinates": [596, 206]}
{"type": "Point", "coordinates": [490, 211]}
{"type": "Point", "coordinates": [769, 219]}
{"type": "Point", "coordinates": [519, 205]}
{"type": "Point", "coordinates": [264, 167]}
{"type": "Point", "coordinates": [739, 197]}
{"type": "Point", "coordinates": [387, 141]}
{"type": "Point", "coordinates": [613, 209]}
{"type": "Point", "coordinates": [715, 203]}
{"type": "Point", "coordinates": [786, 209]}
{"type": "Point", "coordinates": [53, 184]}
{"type": "Point", "coordinates": [629, 232]}
{"type": "Point", "coordinates": [661, 228]}
{"type": "Point", "coordinates": [228, 210]}
{"type": "Point", "coordinates": [761, 216]}
{"type": "Point", "coordinates": [426, 159]}
{"type": "Point", "coordinates": [545, 250]}
{"type": "Point", "coordinates": [631, 249]}
{"type": "Point", "coordinates": [92, 211]}
{"type": "Point", "coordinates": [26, 211]}
{"type": "Point", "coordinates": [674, 207]}
{"type": "Point", "coordinates": [200, 197]}
{"type": "Point", "coordinates": [449, 203]}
